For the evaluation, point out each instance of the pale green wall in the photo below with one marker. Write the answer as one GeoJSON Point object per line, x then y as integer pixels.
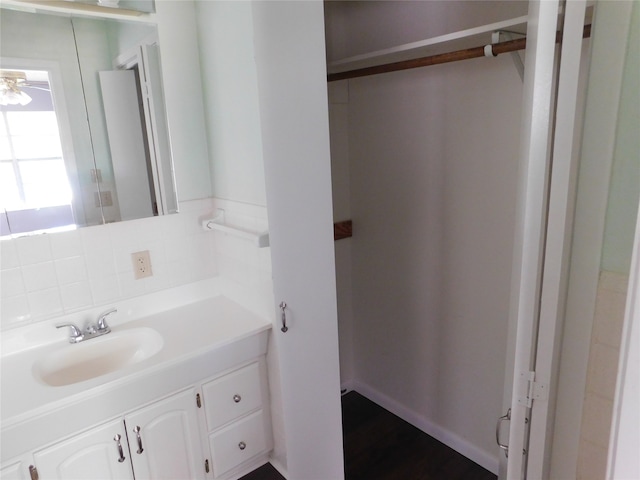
{"type": "Point", "coordinates": [625, 176]}
{"type": "Point", "coordinates": [230, 91]}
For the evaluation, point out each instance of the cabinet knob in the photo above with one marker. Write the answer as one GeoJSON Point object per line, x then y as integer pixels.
{"type": "Point", "coordinates": [242, 445]}
{"type": "Point", "coordinates": [237, 398]}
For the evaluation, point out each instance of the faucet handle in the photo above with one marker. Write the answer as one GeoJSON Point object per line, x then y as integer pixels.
{"type": "Point", "coordinates": [102, 320]}
{"type": "Point", "coordinates": [76, 333]}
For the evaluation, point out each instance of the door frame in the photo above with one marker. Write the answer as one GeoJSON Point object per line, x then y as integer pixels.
{"type": "Point", "coordinates": [530, 227]}
{"type": "Point", "coordinates": [546, 204]}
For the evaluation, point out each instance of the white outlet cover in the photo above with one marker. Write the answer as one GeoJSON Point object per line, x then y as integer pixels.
{"type": "Point", "coordinates": [141, 264]}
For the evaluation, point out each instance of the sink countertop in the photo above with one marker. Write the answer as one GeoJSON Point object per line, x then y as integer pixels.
{"type": "Point", "coordinates": [201, 339]}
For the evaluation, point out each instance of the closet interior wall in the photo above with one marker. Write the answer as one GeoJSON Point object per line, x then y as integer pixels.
{"type": "Point", "coordinates": [425, 164]}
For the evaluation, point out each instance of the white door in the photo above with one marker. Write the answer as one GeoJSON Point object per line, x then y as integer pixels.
{"type": "Point", "coordinates": [128, 155]}
{"type": "Point", "coordinates": [164, 439]}
{"type": "Point", "coordinates": [292, 87]}
{"type": "Point", "coordinates": [155, 119]}
{"type": "Point", "coordinates": [100, 454]}
{"type": "Point", "coordinates": [546, 211]}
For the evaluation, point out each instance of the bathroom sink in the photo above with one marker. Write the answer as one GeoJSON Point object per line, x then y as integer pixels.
{"type": "Point", "coordinates": [92, 358]}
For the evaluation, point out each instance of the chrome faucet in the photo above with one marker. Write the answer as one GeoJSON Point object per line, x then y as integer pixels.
{"type": "Point", "coordinates": [76, 334]}
{"type": "Point", "coordinates": [91, 331]}
{"type": "Point", "coordinates": [102, 321]}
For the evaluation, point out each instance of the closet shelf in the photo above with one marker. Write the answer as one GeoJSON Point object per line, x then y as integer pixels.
{"type": "Point", "coordinates": [433, 46]}
{"type": "Point", "coordinates": [217, 223]}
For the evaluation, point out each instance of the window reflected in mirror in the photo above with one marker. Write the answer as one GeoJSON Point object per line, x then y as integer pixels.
{"type": "Point", "coordinates": [85, 138]}
{"type": "Point", "coordinates": [35, 194]}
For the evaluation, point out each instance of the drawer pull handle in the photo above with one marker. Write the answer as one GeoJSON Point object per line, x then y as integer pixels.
{"type": "Point", "coordinates": [136, 430]}
{"type": "Point", "coordinates": [237, 398]}
{"type": "Point", "coordinates": [120, 451]}
{"type": "Point", "coordinates": [242, 445]}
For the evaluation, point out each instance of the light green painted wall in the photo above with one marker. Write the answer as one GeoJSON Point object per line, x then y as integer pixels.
{"type": "Point", "coordinates": [624, 191]}
{"type": "Point", "coordinates": [230, 91]}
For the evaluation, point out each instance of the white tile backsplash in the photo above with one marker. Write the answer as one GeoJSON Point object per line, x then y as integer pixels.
{"type": "Point", "coordinates": [44, 276]}
{"type": "Point", "coordinates": [45, 303]}
{"type": "Point", "coordinates": [11, 282]}
{"type": "Point", "coordinates": [52, 275]}
{"type": "Point", "coordinates": [14, 310]}
{"type": "Point", "coordinates": [9, 255]}
{"type": "Point", "coordinates": [71, 270]}
{"type": "Point", "coordinates": [105, 289]}
{"type": "Point", "coordinates": [66, 244]}
{"type": "Point", "coordinates": [35, 249]}
{"type": "Point", "coordinates": [39, 276]}
{"type": "Point", "coordinates": [76, 296]}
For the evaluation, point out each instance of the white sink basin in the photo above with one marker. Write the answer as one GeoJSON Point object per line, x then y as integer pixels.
{"type": "Point", "coordinates": [92, 358]}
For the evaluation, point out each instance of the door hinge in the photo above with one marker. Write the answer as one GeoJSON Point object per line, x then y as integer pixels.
{"type": "Point", "coordinates": [534, 390]}
{"type": "Point", "coordinates": [33, 471]}
{"type": "Point", "coordinates": [198, 401]}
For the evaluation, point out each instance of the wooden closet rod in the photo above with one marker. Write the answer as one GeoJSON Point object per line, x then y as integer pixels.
{"type": "Point", "coordinates": [476, 52]}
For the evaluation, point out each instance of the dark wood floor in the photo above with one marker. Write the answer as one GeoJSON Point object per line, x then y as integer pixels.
{"type": "Point", "coordinates": [380, 446]}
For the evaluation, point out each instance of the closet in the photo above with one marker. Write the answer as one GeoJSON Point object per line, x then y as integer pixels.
{"type": "Point", "coordinates": [425, 163]}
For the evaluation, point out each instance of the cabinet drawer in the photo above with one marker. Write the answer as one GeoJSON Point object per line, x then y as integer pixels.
{"type": "Point", "coordinates": [238, 442]}
{"type": "Point", "coordinates": [231, 396]}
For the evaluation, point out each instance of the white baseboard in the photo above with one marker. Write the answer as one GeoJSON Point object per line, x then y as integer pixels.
{"type": "Point", "coordinates": [460, 445]}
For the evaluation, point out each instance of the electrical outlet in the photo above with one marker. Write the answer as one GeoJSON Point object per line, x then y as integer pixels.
{"type": "Point", "coordinates": [141, 264]}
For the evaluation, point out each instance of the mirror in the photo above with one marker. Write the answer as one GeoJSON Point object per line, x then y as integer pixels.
{"type": "Point", "coordinates": [95, 117]}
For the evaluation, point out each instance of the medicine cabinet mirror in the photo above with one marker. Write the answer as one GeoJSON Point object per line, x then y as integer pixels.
{"type": "Point", "coordinates": [83, 129]}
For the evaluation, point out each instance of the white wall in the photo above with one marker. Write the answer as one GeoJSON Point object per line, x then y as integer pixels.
{"type": "Point", "coordinates": [432, 175]}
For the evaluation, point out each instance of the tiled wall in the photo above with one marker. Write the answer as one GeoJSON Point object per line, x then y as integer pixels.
{"type": "Point", "coordinates": [44, 276]}
{"type": "Point", "coordinates": [602, 375]}
{"type": "Point", "coordinates": [245, 268]}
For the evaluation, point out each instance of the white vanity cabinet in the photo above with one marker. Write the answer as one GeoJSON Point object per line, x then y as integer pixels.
{"type": "Point", "coordinates": [237, 418]}
{"type": "Point", "coordinates": [167, 417]}
{"type": "Point", "coordinates": [163, 443]}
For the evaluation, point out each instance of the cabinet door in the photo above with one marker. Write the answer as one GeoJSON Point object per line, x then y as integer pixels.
{"type": "Point", "coordinates": [16, 470]}
{"type": "Point", "coordinates": [100, 453]}
{"type": "Point", "coordinates": [164, 439]}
